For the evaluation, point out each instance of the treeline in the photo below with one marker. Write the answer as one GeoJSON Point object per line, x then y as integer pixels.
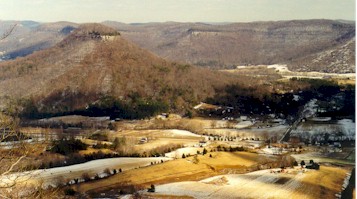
{"type": "Point", "coordinates": [338, 100]}
{"type": "Point", "coordinates": [136, 108]}
{"type": "Point", "coordinates": [254, 100]}
{"type": "Point", "coordinates": [70, 148]}
{"type": "Point", "coordinates": [76, 158]}
{"type": "Point", "coordinates": [67, 146]}
{"type": "Point", "coordinates": [251, 101]}
{"type": "Point", "coordinates": [276, 98]}
{"type": "Point", "coordinates": [230, 148]}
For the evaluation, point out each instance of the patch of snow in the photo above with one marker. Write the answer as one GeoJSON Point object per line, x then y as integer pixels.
{"type": "Point", "coordinates": [95, 166]}
{"type": "Point", "coordinates": [243, 124]}
{"type": "Point", "coordinates": [320, 119]}
{"type": "Point", "coordinates": [318, 131]}
{"type": "Point", "coordinates": [310, 108]}
{"type": "Point", "coordinates": [14, 144]}
{"type": "Point", "coordinates": [272, 150]}
{"type": "Point", "coordinates": [258, 184]}
{"type": "Point", "coordinates": [182, 133]}
{"type": "Point", "coordinates": [198, 106]}
{"type": "Point", "coordinates": [241, 67]}
{"type": "Point", "coordinates": [346, 181]}
{"type": "Point", "coordinates": [348, 126]}
{"type": "Point", "coordinates": [281, 68]}
{"type": "Point", "coordinates": [127, 196]}
{"type": "Point", "coordinates": [187, 150]}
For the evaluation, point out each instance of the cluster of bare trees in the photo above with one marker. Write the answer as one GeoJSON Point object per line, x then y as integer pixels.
{"type": "Point", "coordinates": [15, 180]}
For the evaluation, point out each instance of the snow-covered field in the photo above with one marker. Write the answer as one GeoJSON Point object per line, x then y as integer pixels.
{"type": "Point", "coordinates": [320, 119]}
{"type": "Point", "coordinates": [243, 124]}
{"type": "Point", "coordinates": [176, 132]}
{"type": "Point", "coordinates": [187, 150]}
{"type": "Point", "coordinates": [280, 68]}
{"type": "Point", "coordinates": [251, 132]}
{"type": "Point", "coordinates": [258, 184]}
{"type": "Point", "coordinates": [310, 108]}
{"type": "Point", "coordinates": [271, 183]}
{"type": "Point", "coordinates": [49, 176]}
{"type": "Point", "coordinates": [309, 130]}
{"type": "Point", "coordinates": [345, 126]}
{"type": "Point", "coordinates": [160, 133]}
{"type": "Point", "coordinates": [318, 157]}
{"type": "Point", "coordinates": [348, 127]}
{"type": "Point", "coordinates": [272, 150]}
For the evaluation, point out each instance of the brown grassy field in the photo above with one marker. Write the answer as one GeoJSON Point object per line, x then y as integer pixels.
{"type": "Point", "coordinates": [323, 183]}
{"type": "Point", "coordinates": [346, 81]}
{"type": "Point", "coordinates": [179, 170]}
{"type": "Point", "coordinates": [157, 138]}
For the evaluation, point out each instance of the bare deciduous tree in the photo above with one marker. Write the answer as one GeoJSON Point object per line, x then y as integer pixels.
{"type": "Point", "coordinates": [13, 151]}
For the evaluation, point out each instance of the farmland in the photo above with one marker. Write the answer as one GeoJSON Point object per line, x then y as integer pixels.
{"type": "Point", "coordinates": [285, 141]}
{"type": "Point", "coordinates": [180, 170]}
{"type": "Point", "coordinates": [292, 183]}
{"type": "Point", "coordinates": [198, 168]}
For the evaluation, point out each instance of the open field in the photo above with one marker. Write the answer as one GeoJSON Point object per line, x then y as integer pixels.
{"type": "Point", "coordinates": [53, 176]}
{"type": "Point", "coordinates": [324, 183]}
{"type": "Point", "coordinates": [162, 133]}
{"type": "Point", "coordinates": [308, 129]}
{"type": "Point", "coordinates": [283, 73]}
{"type": "Point", "coordinates": [283, 70]}
{"type": "Point", "coordinates": [186, 150]}
{"type": "Point", "coordinates": [321, 158]}
{"type": "Point", "coordinates": [157, 138]}
{"type": "Point", "coordinates": [181, 170]}
{"type": "Point", "coordinates": [227, 174]}
{"type": "Point", "coordinates": [252, 132]}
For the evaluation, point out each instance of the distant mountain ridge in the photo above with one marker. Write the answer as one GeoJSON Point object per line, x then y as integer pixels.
{"type": "Point", "coordinates": [230, 45]}
{"type": "Point", "coordinates": [95, 61]}
{"type": "Point", "coordinates": [30, 36]}
{"type": "Point", "coordinates": [295, 43]}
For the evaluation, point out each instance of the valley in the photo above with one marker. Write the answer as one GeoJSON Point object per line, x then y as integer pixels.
{"type": "Point", "coordinates": [220, 169]}
{"type": "Point", "coordinates": [95, 115]}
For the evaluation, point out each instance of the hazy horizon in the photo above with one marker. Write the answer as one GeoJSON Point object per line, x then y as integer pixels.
{"type": "Point", "coordinates": [206, 11]}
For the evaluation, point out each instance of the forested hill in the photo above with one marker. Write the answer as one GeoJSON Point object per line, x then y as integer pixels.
{"type": "Point", "coordinates": [94, 63]}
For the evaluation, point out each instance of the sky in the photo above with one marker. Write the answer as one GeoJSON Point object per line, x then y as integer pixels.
{"type": "Point", "coordinates": [140, 11]}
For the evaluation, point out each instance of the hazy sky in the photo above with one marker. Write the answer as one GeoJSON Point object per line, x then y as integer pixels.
{"type": "Point", "coordinates": [175, 10]}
